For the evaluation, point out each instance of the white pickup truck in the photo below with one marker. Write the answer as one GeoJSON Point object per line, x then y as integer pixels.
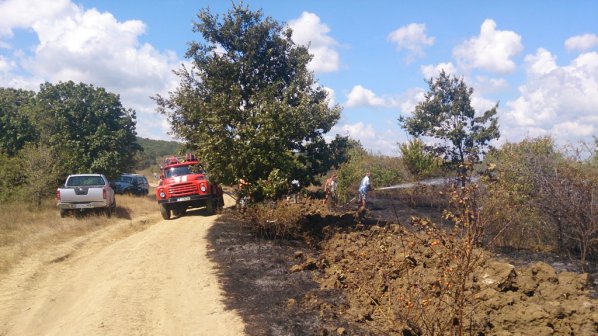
{"type": "Point", "coordinates": [83, 192]}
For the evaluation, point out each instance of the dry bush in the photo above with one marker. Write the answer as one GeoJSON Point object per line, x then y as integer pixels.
{"type": "Point", "coordinates": [412, 283]}
{"type": "Point", "coordinates": [440, 300]}
{"type": "Point", "coordinates": [26, 228]}
{"type": "Point", "coordinates": [514, 221]}
{"type": "Point", "coordinates": [570, 197]}
{"type": "Point", "coordinates": [274, 220]}
{"type": "Point", "coordinates": [543, 199]}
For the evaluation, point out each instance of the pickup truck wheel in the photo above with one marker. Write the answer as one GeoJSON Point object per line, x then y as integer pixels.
{"type": "Point", "coordinates": [165, 211]}
{"type": "Point", "coordinates": [108, 211]}
{"type": "Point", "coordinates": [63, 213]}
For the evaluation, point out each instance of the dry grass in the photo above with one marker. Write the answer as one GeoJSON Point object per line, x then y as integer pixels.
{"type": "Point", "coordinates": [25, 229]}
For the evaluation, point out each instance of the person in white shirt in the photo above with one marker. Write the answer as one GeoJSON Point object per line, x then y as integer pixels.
{"type": "Point", "coordinates": [364, 187]}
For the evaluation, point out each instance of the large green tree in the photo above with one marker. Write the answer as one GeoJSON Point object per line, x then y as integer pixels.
{"type": "Point", "coordinates": [16, 128]}
{"type": "Point", "coordinates": [86, 127]}
{"type": "Point", "coordinates": [446, 114]}
{"type": "Point", "coordinates": [248, 103]}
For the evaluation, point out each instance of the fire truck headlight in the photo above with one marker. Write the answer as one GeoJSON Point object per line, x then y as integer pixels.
{"type": "Point", "coordinates": [162, 194]}
{"type": "Point", "coordinates": [203, 188]}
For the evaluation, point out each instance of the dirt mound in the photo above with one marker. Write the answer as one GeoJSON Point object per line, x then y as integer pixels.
{"type": "Point", "coordinates": [325, 273]}
{"type": "Point", "coordinates": [376, 271]}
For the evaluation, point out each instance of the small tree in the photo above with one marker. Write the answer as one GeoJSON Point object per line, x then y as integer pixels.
{"type": "Point", "coordinates": [38, 165]}
{"type": "Point", "coordinates": [418, 160]}
{"type": "Point", "coordinates": [446, 114]}
{"type": "Point", "coordinates": [248, 104]}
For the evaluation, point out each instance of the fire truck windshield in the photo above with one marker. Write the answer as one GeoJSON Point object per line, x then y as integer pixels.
{"type": "Point", "coordinates": [182, 170]}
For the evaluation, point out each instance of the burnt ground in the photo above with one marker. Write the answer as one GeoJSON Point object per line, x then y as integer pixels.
{"type": "Point", "coordinates": [276, 284]}
{"type": "Point", "coordinates": [260, 286]}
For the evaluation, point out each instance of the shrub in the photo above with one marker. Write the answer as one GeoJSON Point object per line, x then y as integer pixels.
{"type": "Point", "coordinates": [385, 171]}
{"type": "Point", "coordinates": [273, 220]}
{"type": "Point", "coordinates": [12, 179]}
{"type": "Point", "coordinates": [38, 164]}
{"type": "Point", "coordinates": [568, 196]}
{"type": "Point", "coordinates": [541, 198]}
{"type": "Point", "coordinates": [418, 160]}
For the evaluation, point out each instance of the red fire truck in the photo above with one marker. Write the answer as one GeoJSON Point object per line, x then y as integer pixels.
{"type": "Point", "coordinates": [184, 184]}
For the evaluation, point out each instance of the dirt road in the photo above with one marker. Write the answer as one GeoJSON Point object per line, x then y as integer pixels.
{"type": "Point", "coordinates": [154, 282]}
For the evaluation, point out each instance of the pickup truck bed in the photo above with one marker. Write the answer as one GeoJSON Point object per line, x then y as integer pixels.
{"type": "Point", "coordinates": [85, 191]}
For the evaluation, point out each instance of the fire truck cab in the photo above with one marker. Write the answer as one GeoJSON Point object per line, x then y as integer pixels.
{"type": "Point", "coordinates": [184, 184]}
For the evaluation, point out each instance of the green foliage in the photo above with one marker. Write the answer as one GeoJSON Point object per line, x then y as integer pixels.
{"type": "Point", "coordinates": [38, 165]}
{"type": "Point", "coordinates": [153, 151]}
{"type": "Point", "coordinates": [446, 114]}
{"type": "Point", "coordinates": [12, 178]}
{"type": "Point", "coordinates": [385, 171]}
{"type": "Point", "coordinates": [251, 105]}
{"type": "Point", "coordinates": [274, 187]}
{"type": "Point", "coordinates": [418, 160]}
{"type": "Point", "coordinates": [87, 128]}
{"type": "Point", "coordinates": [15, 127]}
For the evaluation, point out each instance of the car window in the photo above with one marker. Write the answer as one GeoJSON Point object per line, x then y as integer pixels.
{"type": "Point", "coordinates": [177, 171]}
{"type": "Point", "coordinates": [125, 179]}
{"type": "Point", "coordinates": [80, 181]}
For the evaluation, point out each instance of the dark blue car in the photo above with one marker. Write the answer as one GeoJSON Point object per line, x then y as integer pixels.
{"type": "Point", "coordinates": [134, 184]}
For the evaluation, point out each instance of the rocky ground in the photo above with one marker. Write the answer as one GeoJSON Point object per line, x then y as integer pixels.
{"type": "Point", "coordinates": [375, 277]}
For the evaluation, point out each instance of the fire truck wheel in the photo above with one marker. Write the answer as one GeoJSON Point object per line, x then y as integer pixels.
{"type": "Point", "coordinates": [165, 211]}
{"type": "Point", "coordinates": [211, 206]}
{"type": "Point", "coordinates": [178, 211]}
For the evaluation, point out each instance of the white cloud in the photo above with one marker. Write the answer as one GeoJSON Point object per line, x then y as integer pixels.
{"type": "Point", "coordinates": [556, 100]}
{"type": "Point", "coordinates": [481, 104]}
{"type": "Point", "coordinates": [492, 50]}
{"type": "Point", "coordinates": [411, 98]}
{"type": "Point", "coordinates": [309, 31]}
{"type": "Point", "coordinates": [583, 42]}
{"type": "Point", "coordinates": [6, 65]}
{"type": "Point", "coordinates": [482, 84]}
{"type": "Point", "coordinates": [383, 142]}
{"type": "Point", "coordinates": [413, 38]}
{"type": "Point", "coordinates": [543, 62]}
{"type": "Point", "coordinates": [16, 14]}
{"type": "Point", "coordinates": [91, 47]}
{"type": "Point", "coordinates": [331, 96]}
{"type": "Point", "coordinates": [360, 96]}
{"type": "Point", "coordinates": [565, 129]}
{"type": "Point", "coordinates": [432, 71]}
{"type": "Point", "coordinates": [358, 131]}
{"type": "Point", "coordinates": [405, 102]}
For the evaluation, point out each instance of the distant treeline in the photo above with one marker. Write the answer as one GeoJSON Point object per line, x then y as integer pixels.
{"type": "Point", "coordinates": [154, 150]}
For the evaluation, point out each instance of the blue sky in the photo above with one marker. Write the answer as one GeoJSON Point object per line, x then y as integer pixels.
{"type": "Point", "coordinates": [539, 59]}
